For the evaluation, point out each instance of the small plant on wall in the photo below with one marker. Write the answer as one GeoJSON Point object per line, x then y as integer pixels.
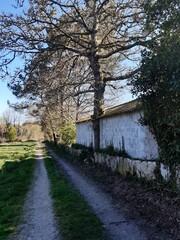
{"type": "Point", "coordinates": [111, 150]}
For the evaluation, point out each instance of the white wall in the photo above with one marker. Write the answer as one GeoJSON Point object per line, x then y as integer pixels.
{"type": "Point", "coordinates": [139, 142]}
{"type": "Point", "coordinates": [84, 133]}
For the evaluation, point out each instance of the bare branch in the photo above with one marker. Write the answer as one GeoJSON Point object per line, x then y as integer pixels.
{"type": "Point", "coordinates": [122, 77]}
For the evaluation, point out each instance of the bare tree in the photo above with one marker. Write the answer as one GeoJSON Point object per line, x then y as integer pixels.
{"type": "Point", "coordinates": [11, 118]}
{"type": "Point", "coordinates": [50, 86]}
{"type": "Point", "coordinates": [101, 33]}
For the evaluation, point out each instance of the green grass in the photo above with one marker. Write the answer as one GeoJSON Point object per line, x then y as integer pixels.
{"type": "Point", "coordinates": [16, 168]}
{"type": "Point", "coordinates": [76, 219]}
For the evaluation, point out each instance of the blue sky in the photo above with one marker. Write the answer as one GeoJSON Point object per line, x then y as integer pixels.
{"type": "Point", "coordinates": [6, 5]}
{"type": "Point", "coordinates": [5, 93]}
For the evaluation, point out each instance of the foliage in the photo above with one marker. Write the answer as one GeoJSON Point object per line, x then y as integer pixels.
{"type": "Point", "coordinates": [81, 146]}
{"type": "Point", "coordinates": [163, 16]}
{"type": "Point", "coordinates": [158, 85]}
{"type": "Point", "coordinates": [24, 132]}
{"type": "Point", "coordinates": [11, 134]}
{"type": "Point", "coordinates": [16, 172]}
{"type": "Point", "coordinates": [76, 219]}
{"type": "Point", "coordinates": [59, 149]}
{"type": "Point", "coordinates": [110, 150]}
{"type": "Point", "coordinates": [68, 133]}
{"type": "Point", "coordinates": [30, 131]}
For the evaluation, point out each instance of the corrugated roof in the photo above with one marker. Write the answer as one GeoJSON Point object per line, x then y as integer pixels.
{"type": "Point", "coordinates": [123, 108]}
{"type": "Point", "coordinates": [117, 110]}
{"type": "Point", "coordinates": [84, 120]}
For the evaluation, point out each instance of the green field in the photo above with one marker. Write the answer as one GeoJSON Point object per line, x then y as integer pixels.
{"type": "Point", "coordinates": [16, 171]}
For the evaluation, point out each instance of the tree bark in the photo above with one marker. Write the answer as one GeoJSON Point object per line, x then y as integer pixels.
{"type": "Point", "coordinates": [54, 139]}
{"type": "Point", "coordinates": [99, 88]}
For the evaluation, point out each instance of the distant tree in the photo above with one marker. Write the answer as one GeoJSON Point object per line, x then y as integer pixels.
{"type": "Point", "coordinates": [31, 131]}
{"type": "Point", "coordinates": [10, 117]}
{"type": "Point", "coordinates": [2, 130]}
{"type": "Point", "coordinates": [11, 134]}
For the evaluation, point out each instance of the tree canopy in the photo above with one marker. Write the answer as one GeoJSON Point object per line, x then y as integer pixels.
{"type": "Point", "coordinates": [158, 83]}
{"type": "Point", "coordinates": [103, 35]}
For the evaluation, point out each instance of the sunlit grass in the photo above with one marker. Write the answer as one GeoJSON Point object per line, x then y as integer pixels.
{"type": "Point", "coordinates": [76, 219]}
{"type": "Point", "coordinates": [16, 171]}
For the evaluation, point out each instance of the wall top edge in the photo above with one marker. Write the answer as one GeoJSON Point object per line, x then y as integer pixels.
{"type": "Point", "coordinates": [127, 107]}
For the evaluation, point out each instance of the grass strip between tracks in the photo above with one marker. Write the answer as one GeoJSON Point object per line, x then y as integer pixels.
{"type": "Point", "coordinates": [76, 219]}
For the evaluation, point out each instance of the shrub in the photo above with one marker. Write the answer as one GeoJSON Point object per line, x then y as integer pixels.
{"type": "Point", "coordinates": [11, 134]}
{"type": "Point", "coordinates": [68, 134]}
{"type": "Point", "coordinates": [158, 85]}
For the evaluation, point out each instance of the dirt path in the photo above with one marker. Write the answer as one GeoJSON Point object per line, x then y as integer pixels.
{"type": "Point", "coordinates": [38, 221]}
{"type": "Point", "coordinates": [118, 226]}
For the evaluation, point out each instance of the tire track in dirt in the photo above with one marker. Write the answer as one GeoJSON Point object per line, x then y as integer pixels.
{"type": "Point", "coordinates": [38, 219]}
{"type": "Point", "coordinates": [118, 227]}
{"type": "Point", "coordinates": [116, 223]}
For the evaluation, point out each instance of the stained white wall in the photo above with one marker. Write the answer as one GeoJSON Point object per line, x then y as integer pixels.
{"type": "Point", "coordinates": [84, 133]}
{"type": "Point", "coordinates": [138, 140]}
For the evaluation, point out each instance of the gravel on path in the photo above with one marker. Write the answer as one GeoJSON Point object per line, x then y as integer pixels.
{"type": "Point", "coordinates": [38, 220]}
{"type": "Point", "coordinates": [118, 226]}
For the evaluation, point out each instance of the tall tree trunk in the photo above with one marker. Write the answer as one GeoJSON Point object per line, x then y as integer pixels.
{"type": "Point", "coordinates": [98, 111]}
{"type": "Point", "coordinates": [99, 88]}
{"type": "Point", "coordinates": [62, 107]}
{"type": "Point", "coordinates": [77, 109]}
{"type": "Point", "coordinates": [99, 85]}
{"type": "Point", "coordinates": [54, 139]}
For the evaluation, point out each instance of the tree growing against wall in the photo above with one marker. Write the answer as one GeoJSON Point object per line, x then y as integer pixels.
{"type": "Point", "coordinates": [158, 83]}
